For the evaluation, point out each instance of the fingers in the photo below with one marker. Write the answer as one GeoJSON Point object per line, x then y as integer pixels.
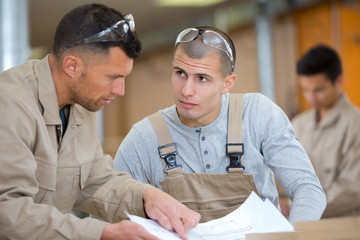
{"type": "Point", "coordinates": [190, 220]}
{"type": "Point", "coordinates": [170, 213]}
{"type": "Point", "coordinates": [178, 218]}
{"type": "Point", "coordinates": [172, 223]}
{"type": "Point", "coordinates": [164, 221]}
{"type": "Point", "coordinates": [179, 228]}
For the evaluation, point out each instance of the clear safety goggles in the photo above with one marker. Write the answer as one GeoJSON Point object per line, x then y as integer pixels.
{"type": "Point", "coordinates": [110, 34]}
{"type": "Point", "coordinates": [210, 38]}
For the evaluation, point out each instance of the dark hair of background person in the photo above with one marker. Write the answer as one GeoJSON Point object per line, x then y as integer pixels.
{"type": "Point", "coordinates": [320, 59]}
{"type": "Point", "coordinates": [87, 20]}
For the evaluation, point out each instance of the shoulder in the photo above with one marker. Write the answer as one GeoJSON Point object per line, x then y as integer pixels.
{"type": "Point", "coordinates": [258, 100]}
{"type": "Point", "coordinates": [139, 138]}
{"type": "Point", "coordinates": [253, 97]}
{"type": "Point", "coordinates": [262, 114]}
{"type": "Point", "coordinates": [260, 105]}
{"type": "Point", "coordinates": [303, 122]}
{"type": "Point", "coordinates": [19, 82]}
{"type": "Point", "coordinates": [145, 127]}
{"type": "Point", "coordinates": [303, 117]}
{"type": "Point", "coordinates": [351, 113]}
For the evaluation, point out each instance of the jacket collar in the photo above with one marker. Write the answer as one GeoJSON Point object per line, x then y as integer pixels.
{"type": "Point", "coordinates": [78, 113]}
{"type": "Point", "coordinates": [48, 96]}
{"type": "Point", "coordinates": [334, 113]}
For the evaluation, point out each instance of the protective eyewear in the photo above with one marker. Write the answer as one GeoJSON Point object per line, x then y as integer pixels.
{"type": "Point", "coordinates": [110, 34]}
{"type": "Point", "coordinates": [210, 38]}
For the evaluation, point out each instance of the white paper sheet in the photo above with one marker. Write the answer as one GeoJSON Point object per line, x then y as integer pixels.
{"type": "Point", "coordinates": [253, 216]}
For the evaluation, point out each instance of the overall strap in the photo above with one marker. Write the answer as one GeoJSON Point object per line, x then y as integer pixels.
{"type": "Point", "coordinates": [234, 146]}
{"type": "Point", "coordinates": [167, 148]}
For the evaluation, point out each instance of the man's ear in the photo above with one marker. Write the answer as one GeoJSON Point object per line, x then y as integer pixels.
{"type": "Point", "coordinates": [229, 82]}
{"type": "Point", "coordinates": [70, 64]}
{"type": "Point", "coordinates": [340, 80]}
{"type": "Point", "coordinates": [339, 83]}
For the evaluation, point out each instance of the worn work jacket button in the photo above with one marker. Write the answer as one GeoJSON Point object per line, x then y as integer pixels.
{"type": "Point", "coordinates": [203, 138]}
{"type": "Point", "coordinates": [206, 152]}
{"type": "Point", "coordinates": [208, 166]}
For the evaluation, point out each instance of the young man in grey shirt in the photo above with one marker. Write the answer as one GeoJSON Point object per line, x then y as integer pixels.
{"type": "Point", "coordinates": [203, 65]}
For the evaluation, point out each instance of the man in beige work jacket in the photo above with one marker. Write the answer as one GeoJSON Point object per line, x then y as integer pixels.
{"type": "Point", "coordinates": [330, 131]}
{"type": "Point", "coordinates": [51, 160]}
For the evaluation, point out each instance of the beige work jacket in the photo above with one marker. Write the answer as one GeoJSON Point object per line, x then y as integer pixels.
{"type": "Point", "coordinates": [43, 176]}
{"type": "Point", "coordinates": [333, 146]}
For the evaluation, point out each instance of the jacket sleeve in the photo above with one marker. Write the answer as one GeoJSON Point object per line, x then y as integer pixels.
{"type": "Point", "coordinates": [343, 196]}
{"type": "Point", "coordinates": [109, 193]}
{"type": "Point", "coordinates": [21, 217]}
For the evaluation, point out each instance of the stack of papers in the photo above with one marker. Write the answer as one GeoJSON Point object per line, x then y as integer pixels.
{"type": "Point", "coordinates": [253, 216]}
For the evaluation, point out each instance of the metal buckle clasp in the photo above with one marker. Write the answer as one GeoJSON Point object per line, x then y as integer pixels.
{"type": "Point", "coordinates": [235, 157]}
{"type": "Point", "coordinates": [169, 158]}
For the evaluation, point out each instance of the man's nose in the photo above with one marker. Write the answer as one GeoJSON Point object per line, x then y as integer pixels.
{"type": "Point", "coordinates": [119, 87]}
{"type": "Point", "coordinates": [189, 88]}
{"type": "Point", "coordinates": [311, 97]}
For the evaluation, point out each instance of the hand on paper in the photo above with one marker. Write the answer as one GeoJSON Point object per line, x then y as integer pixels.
{"type": "Point", "coordinates": [170, 213]}
{"type": "Point", "coordinates": [126, 230]}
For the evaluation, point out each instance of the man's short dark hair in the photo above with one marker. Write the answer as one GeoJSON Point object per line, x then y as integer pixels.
{"type": "Point", "coordinates": [320, 59]}
{"type": "Point", "coordinates": [87, 20]}
{"type": "Point", "coordinates": [197, 49]}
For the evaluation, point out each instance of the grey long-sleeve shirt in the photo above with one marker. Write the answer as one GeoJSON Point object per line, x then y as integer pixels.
{"type": "Point", "coordinates": [270, 146]}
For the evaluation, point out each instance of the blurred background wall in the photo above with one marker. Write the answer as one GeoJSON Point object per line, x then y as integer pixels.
{"type": "Point", "coordinates": [269, 36]}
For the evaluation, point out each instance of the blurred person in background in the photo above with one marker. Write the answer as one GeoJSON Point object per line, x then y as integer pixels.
{"type": "Point", "coordinates": [330, 130]}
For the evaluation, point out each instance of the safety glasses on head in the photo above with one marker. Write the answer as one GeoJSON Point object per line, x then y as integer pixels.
{"type": "Point", "coordinates": [113, 33]}
{"type": "Point", "coordinates": [210, 38]}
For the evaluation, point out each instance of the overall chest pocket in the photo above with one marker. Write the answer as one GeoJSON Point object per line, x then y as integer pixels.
{"type": "Point", "coordinates": [210, 194]}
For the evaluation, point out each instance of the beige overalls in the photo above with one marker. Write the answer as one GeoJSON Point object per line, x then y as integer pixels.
{"type": "Point", "coordinates": [213, 195]}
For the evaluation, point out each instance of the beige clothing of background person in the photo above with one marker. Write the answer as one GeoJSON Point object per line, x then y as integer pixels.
{"type": "Point", "coordinates": [35, 169]}
{"type": "Point", "coordinates": [333, 146]}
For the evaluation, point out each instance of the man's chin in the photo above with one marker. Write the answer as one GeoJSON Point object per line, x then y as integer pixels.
{"type": "Point", "coordinates": [187, 114]}
{"type": "Point", "coordinates": [93, 108]}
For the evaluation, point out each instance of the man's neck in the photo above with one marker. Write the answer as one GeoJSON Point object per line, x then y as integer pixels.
{"type": "Point", "coordinates": [322, 112]}
{"type": "Point", "coordinates": [59, 81]}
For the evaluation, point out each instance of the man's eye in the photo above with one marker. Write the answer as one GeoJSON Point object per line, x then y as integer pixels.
{"type": "Point", "coordinates": [113, 77]}
{"type": "Point", "coordinates": [203, 79]}
{"type": "Point", "coordinates": [180, 73]}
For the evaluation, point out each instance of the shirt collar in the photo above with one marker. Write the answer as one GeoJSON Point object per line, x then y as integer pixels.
{"type": "Point", "coordinates": [48, 96]}
{"type": "Point", "coordinates": [47, 92]}
{"type": "Point", "coordinates": [223, 112]}
{"type": "Point", "coordinates": [334, 112]}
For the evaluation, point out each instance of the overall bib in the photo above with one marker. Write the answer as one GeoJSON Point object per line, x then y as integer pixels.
{"type": "Point", "coordinates": [213, 195]}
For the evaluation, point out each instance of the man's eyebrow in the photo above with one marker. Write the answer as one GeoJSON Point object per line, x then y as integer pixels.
{"type": "Point", "coordinates": [204, 75]}
{"type": "Point", "coordinates": [198, 74]}
{"type": "Point", "coordinates": [175, 67]}
{"type": "Point", "coordinates": [115, 75]}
